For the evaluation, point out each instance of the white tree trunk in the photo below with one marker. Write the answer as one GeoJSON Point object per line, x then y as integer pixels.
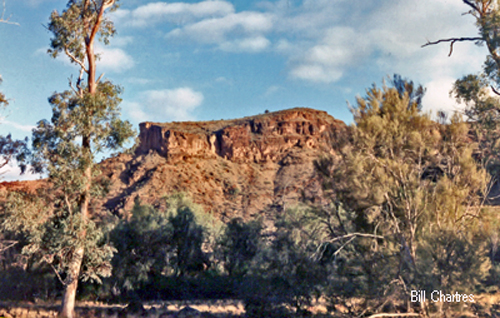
{"type": "Point", "coordinates": [68, 301]}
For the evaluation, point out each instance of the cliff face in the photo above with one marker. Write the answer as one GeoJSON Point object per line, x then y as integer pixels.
{"type": "Point", "coordinates": [243, 167]}
{"type": "Point", "coordinates": [256, 139]}
{"type": "Point", "coordinates": [239, 167]}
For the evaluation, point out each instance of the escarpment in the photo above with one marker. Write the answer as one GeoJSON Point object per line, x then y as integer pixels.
{"type": "Point", "coordinates": [244, 167]}
{"type": "Point", "coordinates": [258, 139]}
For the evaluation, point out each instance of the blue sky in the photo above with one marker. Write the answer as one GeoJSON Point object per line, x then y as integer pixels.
{"type": "Point", "coordinates": [215, 59]}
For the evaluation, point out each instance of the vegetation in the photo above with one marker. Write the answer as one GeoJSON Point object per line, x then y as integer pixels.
{"type": "Point", "coordinates": [407, 204]}
{"type": "Point", "coordinates": [60, 230]}
{"type": "Point", "coordinates": [414, 184]}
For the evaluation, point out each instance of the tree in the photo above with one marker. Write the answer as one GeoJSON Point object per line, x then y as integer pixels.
{"type": "Point", "coordinates": [157, 244]}
{"type": "Point", "coordinates": [239, 244]}
{"type": "Point", "coordinates": [3, 99]}
{"type": "Point", "coordinates": [486, 13]}
{"type": "Point", "coordinates": [9, 148]}
{"type": "Point", "coordinates": [410, 180]}
{"type": "Point", "coordinates": [143, 244]}
{"type": "Point", "coordinates": [85, 121]}
{"type": "Point", "coordinates": [479, 94]}
{"type": "Point", "coordinates": [482, 109]}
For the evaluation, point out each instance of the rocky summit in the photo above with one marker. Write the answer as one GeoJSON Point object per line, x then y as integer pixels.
{"type": "Point", "coordinates": [242, 167]}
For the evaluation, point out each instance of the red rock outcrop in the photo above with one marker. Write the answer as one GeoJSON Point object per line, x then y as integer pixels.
{"type": "Point", "coordinates": [256, 139]}
{"type": "Point", "coordinates": [238, 167]}
{"type": "Point", "coordinates": [241, 167]}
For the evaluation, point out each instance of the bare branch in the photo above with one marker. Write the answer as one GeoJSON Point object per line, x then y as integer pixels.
{"type": "Point", "coordinates": [6, 20]}
{"type": "Point", "coordinates": [494, 90]}
{"type": "Point", "coordinates": [452, 41]}
{"type": "Point", "coordinates": [12, 243]}
{"type": "Point", "coordinates": [343, 245]}
{"type": "Point", "coordinates": [79, 82]}
{"type": "Point", "coordinates": [68, 205]}
{"type": "Point", "coordinates": [321, 248]}
{"type": "Point", "coordinates": [355, 234]}
{"type": "Point", "coordinates": [57, 274]}
{"type": "Point", "coordinates": [74, 59]}
{"type": "Point", "coordinates": [470, 4]}
{"type": "Point", "coordinates": [108, 3]}
{"type": "Point", "coordinates": [100, 77]}
{"type": "Point", "coordinates": [70, 80]}
{"type": "Point", "coordinates": [395, 315]}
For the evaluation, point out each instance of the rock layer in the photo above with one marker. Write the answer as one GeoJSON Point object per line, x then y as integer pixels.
{"type": "Point", "coordinates": [258, 139]}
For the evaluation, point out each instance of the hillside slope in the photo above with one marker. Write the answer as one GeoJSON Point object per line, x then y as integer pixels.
{"type": "Point", "coordinates": [241, 167]}
{"type": "Point", "coordinates": [232, 168]}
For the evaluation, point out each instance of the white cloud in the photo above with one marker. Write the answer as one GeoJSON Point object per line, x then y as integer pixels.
{"type": "Point", "coordinates": [166, 105]}
{"type": "Point", "coordinates": [121, 41]}
{"type": "Point", "coordinates": [177, 12]}
{"type": "Point", "coordinates": [316, 73]}
{"type": "Point", "coordinates": [237, 32]}
{"type": "Point", "coordinates": [111, 59]}
{"type": "Point", "coordinates": [114, 60]}
{"type": "Point", "coordinates": [21, 127]}
{"type": "Point", "coordinates": [207, 22]}
{"type": "Point", "coordinates": [327, 60]}
{"type": "Point", "coordinates": [36, 3]}
{"type": "Point", "coordinates": [437, 96]}
{"type": "Point", "coordinates": [139, 80]}
{"type": "Point", "coordinates": [272, 89]}
{"type": "Point", "coordinates": [254, 44]}
{"type": "Point", "coordinates": [323, 40]}
{"type": "Point", "coordinates": [12, 172]}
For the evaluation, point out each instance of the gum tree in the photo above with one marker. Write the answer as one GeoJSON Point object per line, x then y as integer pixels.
{"type": "Point", "coordinates": [479, 92]}
{"type": "Point", "coordinates": [85, 121]}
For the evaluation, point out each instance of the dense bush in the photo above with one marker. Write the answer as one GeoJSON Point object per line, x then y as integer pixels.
{"type": "Point", "coordinates": [154, 246]}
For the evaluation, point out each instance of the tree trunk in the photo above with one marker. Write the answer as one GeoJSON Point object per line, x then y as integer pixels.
{"type": "Point", "coordinates": [68, 301]}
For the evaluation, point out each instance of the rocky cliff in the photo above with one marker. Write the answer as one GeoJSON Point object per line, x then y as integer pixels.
{"type": "Point", "coordinates": [258, 139]}
{"type": "Point", "coordinates": [242, 167]}
{"type": "Point", "coordinates": [238, 167]}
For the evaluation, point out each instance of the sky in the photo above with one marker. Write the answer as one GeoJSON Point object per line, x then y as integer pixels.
{"type": "Point", "coordinates": [216, 59]}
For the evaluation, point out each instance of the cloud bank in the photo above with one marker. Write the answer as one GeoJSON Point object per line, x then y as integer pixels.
{"type": "Point", "coordinates": [165, 105]}
{"type": "Point", "coordinates": [322, 41]}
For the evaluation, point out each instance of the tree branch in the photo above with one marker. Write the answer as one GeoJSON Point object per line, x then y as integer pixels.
{"type": "Point", "coordinates": [355, 234]}
{"type": "Point", "coordinates": [494, 90]}
{"type": "Point", "coordinates": [452, 41]}
{"type": "Point", "coordinates": [470, 4]}
{"type": "Point", "coordinates": [12, 243]}
{"type": "Point", "coordinates": [395, 315]}
{"type": "Point", "coordinates": [343, 245]}
{"type": "Point", "coordinates": [321, 248]}
{"type": "Point", "coordinates": [99, 79]}
{"type": "Point", "coordinates": [57, 274]}
{"type": "Point", "coordinates": [2, 18]}
{"type": "Point", "coordinates": [74, 59]}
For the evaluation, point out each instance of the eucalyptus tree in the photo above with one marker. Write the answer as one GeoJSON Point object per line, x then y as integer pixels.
{"type": "Point", "coordinates": [479, 92]}
{"type": "Point", "coordinates": [85, 121]}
